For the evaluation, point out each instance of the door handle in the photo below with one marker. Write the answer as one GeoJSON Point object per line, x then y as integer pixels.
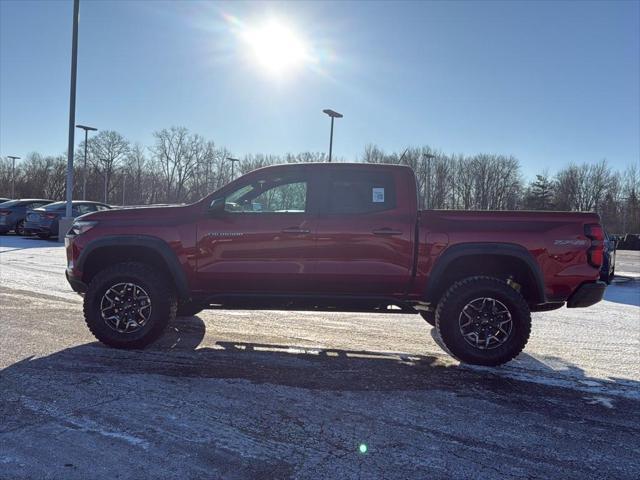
{"type": "Point", "coordinates": [294, 230]}
{"type": "Point", "coordinates": [386, 231]}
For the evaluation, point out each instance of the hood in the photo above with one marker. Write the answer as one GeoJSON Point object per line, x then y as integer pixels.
{"type": "Point", "coordinates": [140, 213]}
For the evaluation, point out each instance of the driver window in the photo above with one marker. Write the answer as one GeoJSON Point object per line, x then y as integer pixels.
{"type": "Point", "coordinates": [274, 195]}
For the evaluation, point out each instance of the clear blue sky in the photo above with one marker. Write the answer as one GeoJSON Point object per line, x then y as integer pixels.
{"type": "Point", "coordinates": [549, 82]}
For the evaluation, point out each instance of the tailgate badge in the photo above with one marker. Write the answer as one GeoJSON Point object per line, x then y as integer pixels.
{"type": "Point", "coordinates": [575, 243]}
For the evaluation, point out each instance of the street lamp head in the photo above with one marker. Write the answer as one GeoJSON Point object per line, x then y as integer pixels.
{"type": "Point", "coordinates": [86, 129]}
{"type": "Point", "coordinates": [332, 113]}
{"type": "Point", "coordinates": [428, 156]}
{"type": "Point", "coordinates": [12, 157]}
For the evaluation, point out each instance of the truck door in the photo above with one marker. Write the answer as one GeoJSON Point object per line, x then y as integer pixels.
{"type": "Point", "coordinates": [365, 231]}
{"type": "Point", "coordinates": [263, 239]}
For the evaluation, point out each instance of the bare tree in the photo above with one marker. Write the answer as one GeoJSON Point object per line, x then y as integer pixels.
{"type": "Point", "coordinates": [178, 153]}
{"type": "Point", "coordinates": [107, 149]}
{"type": "Point", "coordinates": [583, 187]}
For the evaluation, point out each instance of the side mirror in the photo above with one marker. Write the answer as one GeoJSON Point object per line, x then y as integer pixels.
{"type": "Point", "coordinates": [216, 207]}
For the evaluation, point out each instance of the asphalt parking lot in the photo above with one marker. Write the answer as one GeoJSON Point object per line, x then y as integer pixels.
{"type": "Point", "coordinates": [257, 394]}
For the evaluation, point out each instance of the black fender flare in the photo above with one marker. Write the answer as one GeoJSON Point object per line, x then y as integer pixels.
{"type": "Point", "coordinates": [486, 248]}
{"type": "Point", "coordinates": [154, 243]}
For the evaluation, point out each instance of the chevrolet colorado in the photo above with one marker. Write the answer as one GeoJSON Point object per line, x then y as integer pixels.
{"type": "Point", "coordinates": [335, 237]}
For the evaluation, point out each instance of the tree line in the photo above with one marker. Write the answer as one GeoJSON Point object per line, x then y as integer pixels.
{"type": "Point", "coordinates": [182, 166]}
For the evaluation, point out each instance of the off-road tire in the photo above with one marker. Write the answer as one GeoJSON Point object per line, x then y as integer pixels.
{"type": "Point", "coordinates": [429, 317]}
{"type": "Point", "coordinates": [188, 309]}
{"type": "Point", "coordinates": [454, 301]}
{"type": "Point", "coordinates": [161, 294]}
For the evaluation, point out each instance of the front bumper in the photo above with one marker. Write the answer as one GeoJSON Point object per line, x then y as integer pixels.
{"type": "Point", "coordinates": [587, 294]}
{"type": "Point", "coordinates": [77, 285]}
{"type": "Point", "coordinates": [33, 227]}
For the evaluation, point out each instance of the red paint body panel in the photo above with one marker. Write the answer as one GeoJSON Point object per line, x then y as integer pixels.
{"type": "Point", "coordinates": [316, 252]}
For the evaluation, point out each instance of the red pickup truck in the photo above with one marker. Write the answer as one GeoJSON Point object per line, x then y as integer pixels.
{"type": "Point", "coordinates": [334, 237]}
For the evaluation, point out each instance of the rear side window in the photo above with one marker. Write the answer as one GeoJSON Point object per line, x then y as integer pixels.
{"type": "Point", "coordinates": [85, 208]}
{"type": "Point", "coordinates": [360, 192]}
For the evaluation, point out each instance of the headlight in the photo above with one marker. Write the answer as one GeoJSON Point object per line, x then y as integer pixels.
{"type": "Point", "coordinates": [81, 227]}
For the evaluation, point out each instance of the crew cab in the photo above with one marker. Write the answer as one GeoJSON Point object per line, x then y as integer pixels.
{"type": "Point", "coordinates": [334, 237]}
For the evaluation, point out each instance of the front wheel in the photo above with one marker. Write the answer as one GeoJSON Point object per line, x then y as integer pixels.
{"type": "Point", "coordinates": [189, 309]}
{"type": "Point", "coordinates": [129, 305]}
{"type": "Point", "coordinates": [429, 317]}
{"type": "Point", "coordinates": [483, 321]}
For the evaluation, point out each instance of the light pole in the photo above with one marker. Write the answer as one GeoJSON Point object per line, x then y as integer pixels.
{"type": "Point", "coordinates": [333, 115]}
{"type": "Point", "coordinates": [427, 180]}
{"type": "Point", "coordinates": [84, 168]}
{"type": "Point", "coordinates": [13, 175]}
{"type": "Point", "coordinates": [233, 161]}
{"type": "Point", "coordinates": [68, 219]}
{"type": "Point", "coordinates": [124, 184]}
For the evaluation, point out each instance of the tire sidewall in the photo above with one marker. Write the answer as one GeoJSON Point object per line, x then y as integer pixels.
{"type": "Point", "coordinates": [161, 305]}
{"type": "Point", "coordinates": [447, 322]}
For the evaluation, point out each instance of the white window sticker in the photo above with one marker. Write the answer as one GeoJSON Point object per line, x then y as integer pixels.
{"type": "Point", "coordinates": [378, 195]}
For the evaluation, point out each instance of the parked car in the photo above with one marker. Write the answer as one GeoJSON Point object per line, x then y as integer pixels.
{"type": "Point", "coordinates": [628, 242]}
{"type": "Point", "coordinates": [43, 221]}
{"type": "Point", "coordinates": [608, 269]}
{"type": "Point", "coordinates": [13, 213]}
{"type": "Point", "coordinates": [337, 237]}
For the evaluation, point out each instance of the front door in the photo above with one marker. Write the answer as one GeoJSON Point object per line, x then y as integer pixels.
{"type": "Point", "coordinates": [263, 240]}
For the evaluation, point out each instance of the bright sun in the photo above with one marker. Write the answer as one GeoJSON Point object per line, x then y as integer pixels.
{"type": "Point", "coordinates": [276, 47]}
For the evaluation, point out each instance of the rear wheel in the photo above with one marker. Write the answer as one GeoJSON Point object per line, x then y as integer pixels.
{"type": "Point", "coordinates": [129, 305]}
{"type": "Point", "coordinates": [483, 321]}
{"type": "Point", "coordinates": [19, 229]}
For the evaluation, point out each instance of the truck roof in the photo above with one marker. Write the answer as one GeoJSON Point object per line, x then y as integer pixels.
{"type": "Point", "coordinates": [337, 166]}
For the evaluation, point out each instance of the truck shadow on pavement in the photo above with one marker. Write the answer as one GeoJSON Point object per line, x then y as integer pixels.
{"type": "Point", "coordinates": [302, 409]}
{"type": "Point", "coordinates": [177, 354]}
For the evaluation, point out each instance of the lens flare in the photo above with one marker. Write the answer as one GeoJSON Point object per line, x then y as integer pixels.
{"type": "Point", "coordinates": [276, 47]}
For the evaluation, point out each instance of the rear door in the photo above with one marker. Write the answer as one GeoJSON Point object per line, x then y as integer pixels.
{"type": "Point", "coordinates": [263, 240]}
{"type": "Point", "coordinates": [365, 232]}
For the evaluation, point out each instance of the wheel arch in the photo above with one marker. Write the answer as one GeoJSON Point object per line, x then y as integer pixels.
{"type": "Point", "coordinates": [484, 258]}
{"type": "Point", "coordinates": [140, 248]}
